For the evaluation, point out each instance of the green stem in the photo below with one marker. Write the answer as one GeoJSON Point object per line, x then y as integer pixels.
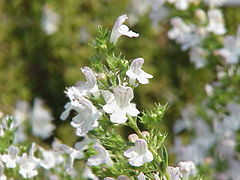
{"type": "Point", "coordinates": [167, 176]}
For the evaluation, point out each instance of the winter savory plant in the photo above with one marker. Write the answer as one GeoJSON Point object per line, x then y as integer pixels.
{"type": "Point", "coordinates": [102, 106]}
{"type": "Point", "coordinates": [104, 103]}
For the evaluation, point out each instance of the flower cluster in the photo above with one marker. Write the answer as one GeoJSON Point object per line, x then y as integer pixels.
{"type": "Point", "coordinates": [103, 103]}
{"type": "Point", "coordinates": [198, 26]}
{"type": "Point", "coordinates": [99, 107]}
{"type": "Point", "coordinates": [15, 156]}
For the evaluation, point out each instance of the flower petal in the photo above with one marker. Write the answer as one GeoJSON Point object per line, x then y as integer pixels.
{"type": "Point", "coordinates": [132, 110]}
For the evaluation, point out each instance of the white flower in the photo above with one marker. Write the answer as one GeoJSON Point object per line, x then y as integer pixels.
{"type": "Point", "coordinates": [120, 29]}
{"type": "Point", "coordinates": [50, 20]}
{"type": "Point", "coordinates": [81, 89]}
{"type": "Point", "coordinates": [88, 174]}
{"type": "Point", "coordinates": [185, 34]}
{"type": "Point", "coordinates": [141, 176]}
{"type": "Point", "coordinates": [50, 158]}
{"type": "Point", "coordinates": [156, 176]}
{"type": "Point", "coordinates": [139, 154]}
{"type": "Point", "coordinates": [28, 164]}
{"type": "Point", "coordinates": [231, 49]}
{"type": "Point", "coordinates": [41, 120]}
{"type": "Point", "coordinates": [68, 107]}
{"type": "Point", "coordinates": [90, 86]}
{"type": "Point", "coordinates": [216, 22]}
{"type": "Point", "coordinates": [198, 56]}
{"type": "Point", "coordinates": [73, 154]}
{"type": "Point", "coordinates": [186, 167]}
{"type": "Point", "coordinates": [181, 4]}
{"type": "Point", "coordinates": [174, 173]}
{"type": "Point", "coordinates": [11, 158]}
{"type": "Point", "coordinates": [138, 9]}
{"type": "Point", "coordinates": [209, 89]}
{"type": "Point", "coordinates": [135, 72]}
{"type": "Point", "coordinates": [118, 105]}
{"type": "Point", "coordinates": [102, 157]}
{"type": "Point", "coordinates": [87, 118]}
{"type": "Point", "coordinates": [27, 167]}
{"type": "Point", "coordinates": [82, 145]}
{"type": "Point", "coordinates": [2, 175]}
{"type": "Point", "coordinates": [109, 178]}
{"type": "Point", "coordinates": [21, 111]}
{"type": "Point", "coordinates": [214, 3]}
{"type": "Point", "coordinates": [158, 14]}
{"type": "Point", "coordinates": [20, 114]}
{"type": "Point", "coordinates": [180, 28]}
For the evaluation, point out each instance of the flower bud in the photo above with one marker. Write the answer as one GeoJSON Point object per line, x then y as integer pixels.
{"type": "Point", "coordinates": [145, 133]}
{"type": "Point", "coordinates": [133, 137]}
{"type": "Point", "coordinates": [102, 77]}
{"type": "Point", "coordinates": [186, 167]}
{"type": "Point", "coordinates": [201, 15]}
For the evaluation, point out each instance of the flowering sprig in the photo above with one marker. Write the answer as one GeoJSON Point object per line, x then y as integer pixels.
{"type": "Point", "coordinates": [114, 79]}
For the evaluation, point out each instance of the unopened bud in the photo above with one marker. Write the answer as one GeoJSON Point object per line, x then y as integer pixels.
{"type": "Point", "coordinates": [133, 137]}
{"type": "Point", "coordinates": [186, 167]}
{"type": "Point", "coordinates": [102, 78]}
{"type": "Point", "coordinates": [145, 133]}
{"type": "Point", "coordinates": [201, 15]}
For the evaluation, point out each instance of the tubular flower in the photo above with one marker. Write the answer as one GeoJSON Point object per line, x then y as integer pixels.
{"type": "Point", "coordinates": [135, 72]}
{"type": "Point", "coordinates": [41, 120]}
{"type": "Point", "coordinates": [11, 158]}
{"type": "Point", "coordinates": [73, 154]}
{"type": "Point", "coordinates": [230, 51]}
{"type": "Point", "coordinates": [102, 157]}
{"type": "Point", "coordinates": [139, 154]}
{"type": "Point", "coordinates": [120, 29]}
{"type": "Point", "coordinates": [118, 104]}
{"type": "Point", "coordinates": [28, 163]}
{"type": "Point", "coordinates": [88, 114]}
{"type": "Point", "coordinates": [216, 22]}
{"type": "Point", "coordinates": [87, 119]}
{"type": "Point", "coordinates": [174, 173]}
{"type": "Point", "coordinates": [186, 167]}
{"type": "Point", "coordinates": [50, 158]}
{"type": "Point", "coordinates": [90, 86]}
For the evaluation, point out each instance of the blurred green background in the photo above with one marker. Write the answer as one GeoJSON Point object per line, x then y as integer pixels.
{"type": "Point", "coordinates": [36, 64]}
